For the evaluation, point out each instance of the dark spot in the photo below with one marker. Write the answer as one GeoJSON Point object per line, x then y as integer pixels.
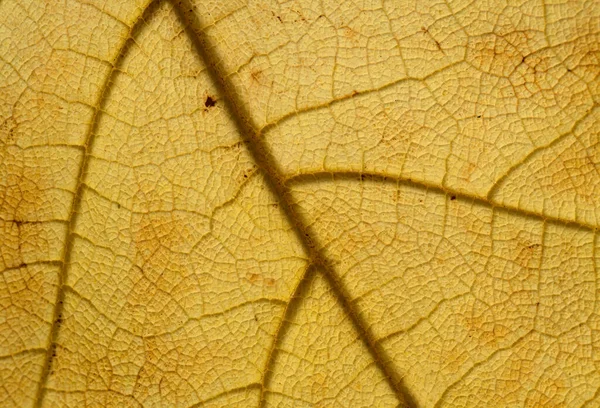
{"type": "Point", "coordinates": [118, 205]}
{"type": "Point", "coordinates": [256, 75]}
{"type": "Point", "coordinates": [453, 198]}
{"type": "Point", "coordinates": [275, 205]}
{"type": "Point", "coordinates": [210, 102]}
{"type": "Point", "coordinates": [478, 116]}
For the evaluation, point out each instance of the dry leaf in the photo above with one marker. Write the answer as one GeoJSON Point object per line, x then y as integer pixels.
{"type": "Point", "coordinates": [299, 203]}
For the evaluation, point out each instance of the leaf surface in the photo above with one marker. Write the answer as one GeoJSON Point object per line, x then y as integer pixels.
{"type": "Point", "coordinates": [232, 203]}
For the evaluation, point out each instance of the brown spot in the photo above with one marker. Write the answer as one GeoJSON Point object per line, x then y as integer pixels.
{"type": "Point", "coordinates": [246, 173]}
{"type": "Point", "coordinates": [210, 102]}
{"type": "Point", "coordinates": [253, 277]}
{"type": "Point", "coordinates": [160, 240]}
{"type": "Point", "coordinates": [277, 17]}
{"type": "Point", "coordinates": [349, 33]}
{"type": "Point", "coordinates": [467, 171]}
{"type": "Point", "coordinates": [452, 198]}
{"type": "Point", "coordinates": [425, 30]}
{"type": "Point", "coordinates": [7, 131]}
{"type": "Point", "coordinates": [485, 331]}
{"type": "Point", "coordinates": [257, 76]}
{"type": "Point", "coordinates": [28, 195]}
{"type": "Point", "coordinates": [257, 279]}
{"type": "Point", "coordinates": [301, 16]}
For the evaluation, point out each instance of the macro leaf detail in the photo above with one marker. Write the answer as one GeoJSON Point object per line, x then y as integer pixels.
{"type": "Point", "coordinates": [277, 204]}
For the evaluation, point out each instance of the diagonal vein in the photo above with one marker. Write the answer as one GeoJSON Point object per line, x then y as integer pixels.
{"type": "Point", "coordinates": [275, 180]}
{"type": "Point", "coordinates": [80, 185]}
{"type": "Point", "coordinates": [394, 178]}
{"type": "Point", "coordinates": [288, 317]}
{"type": "Point", "coordinates": [500, 182]}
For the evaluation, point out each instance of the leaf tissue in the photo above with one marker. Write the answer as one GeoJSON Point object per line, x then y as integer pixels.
{"type": "Point", "coordinates": [272, 203]}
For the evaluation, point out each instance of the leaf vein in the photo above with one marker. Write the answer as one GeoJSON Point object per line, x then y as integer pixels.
{"type": "Point", "coordinates": [72, 219]}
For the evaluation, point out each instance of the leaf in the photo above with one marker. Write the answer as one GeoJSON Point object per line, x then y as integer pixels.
{"type": "Point", "coordinates": [299, 204]}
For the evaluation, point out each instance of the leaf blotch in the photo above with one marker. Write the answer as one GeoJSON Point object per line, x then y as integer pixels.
{"type": "Point", "coordinates": [210, 102]}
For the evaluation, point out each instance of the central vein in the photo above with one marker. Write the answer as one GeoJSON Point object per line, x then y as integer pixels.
{"type": "Point", "coordinates": [276, 181]}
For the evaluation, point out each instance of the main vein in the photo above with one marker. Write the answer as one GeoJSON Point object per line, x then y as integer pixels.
{"type": "Point", "coordinates": [276, 181]}
{"type": "Point", "coordinates": [80, 185]}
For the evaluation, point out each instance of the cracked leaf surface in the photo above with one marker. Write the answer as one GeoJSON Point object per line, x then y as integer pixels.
{"type": "Point", "coordinates": [301, 203]}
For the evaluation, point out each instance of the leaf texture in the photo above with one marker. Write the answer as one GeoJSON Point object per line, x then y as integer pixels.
{"type": "Point", "coordinates": [297, 204]}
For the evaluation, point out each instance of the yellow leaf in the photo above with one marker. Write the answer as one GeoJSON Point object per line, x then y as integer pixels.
{"type": "Point", "coordinates": [234, 203]}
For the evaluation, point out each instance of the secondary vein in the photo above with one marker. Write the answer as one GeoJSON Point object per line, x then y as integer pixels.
{"type": "Point", "coordinates": [72, 219]}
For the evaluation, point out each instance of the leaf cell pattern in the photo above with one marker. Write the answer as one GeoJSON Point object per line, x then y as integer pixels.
{"type": "Point", "coordinates": [299, 203]}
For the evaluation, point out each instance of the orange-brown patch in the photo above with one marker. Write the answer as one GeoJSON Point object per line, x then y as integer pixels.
{"type": "Point", "coordinates": [253, 277]}
{"type": "Point", "coordinates": [257, 76]}
{"type": "Point", "coordinates": [499, 54]}
{"type": "Point", "coordinates": [526, 253]}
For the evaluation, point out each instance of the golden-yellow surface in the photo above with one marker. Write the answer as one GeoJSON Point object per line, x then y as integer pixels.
{"type": "Point", "coordinates": [305, 203]}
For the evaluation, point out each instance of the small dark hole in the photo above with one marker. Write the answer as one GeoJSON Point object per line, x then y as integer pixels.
{"type": "Point", "coordinates": [453, 198]}
{"type": "Point", "coordinates": [210, 102]}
